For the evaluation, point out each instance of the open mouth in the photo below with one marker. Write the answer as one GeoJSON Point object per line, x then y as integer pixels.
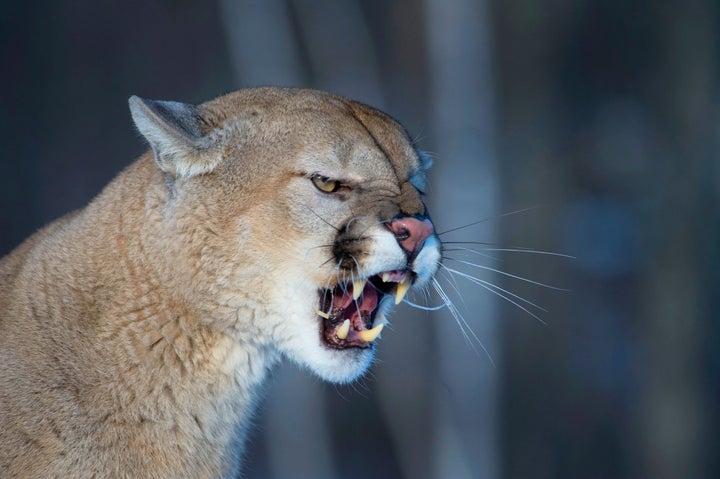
{"type": "Point", "coordinates": [349, 309]}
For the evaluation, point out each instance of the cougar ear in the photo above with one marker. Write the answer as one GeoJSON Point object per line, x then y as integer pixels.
{"type": "Point", "coordinates": [426, 160]}
{"type": "Point", "coordinates": [175, 134]}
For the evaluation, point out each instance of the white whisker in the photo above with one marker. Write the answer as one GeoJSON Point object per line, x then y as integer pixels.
{"type": "Point", "coordinates": [493, 289]}
{"type": "Point", "coordinates": [426, 294]}
{"type": "Point", "coordinates": [520, 278]}
{"type": "Point", "coordinates": [460, 320]}
{"type": "Point", "coordinates": [452, 282]}
{"type": "Point", "coordinates": [474, 279]}
{"type": "Point", "coordinates": [522, 250]}
{"type": "Point", "coordinates": [424, 308]}
{"type": "Point", "coordinates": [453, 310]}
{"type": "Point", "coordinates": [470, 250]}
{"type": "Point", "coordinates": [488, 219]}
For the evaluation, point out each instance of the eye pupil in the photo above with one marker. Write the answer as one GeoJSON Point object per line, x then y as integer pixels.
{"type": "Point", "coordinates": [325, 184]}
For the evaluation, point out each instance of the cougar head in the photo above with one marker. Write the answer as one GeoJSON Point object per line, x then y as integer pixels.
{"type": "Point", "coordinates": [292, 218]}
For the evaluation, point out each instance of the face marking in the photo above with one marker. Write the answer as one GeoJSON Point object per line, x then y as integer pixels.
{"type": "Point", "coordinates": [390, 138]}
{"type": "Point", "coordinates": [377, 143]}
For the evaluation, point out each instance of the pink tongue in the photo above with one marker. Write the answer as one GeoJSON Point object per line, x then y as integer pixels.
{"type": "Point", "coordinates": [366, 302]}
{"type": "Point", "coordinates": [369, 299]}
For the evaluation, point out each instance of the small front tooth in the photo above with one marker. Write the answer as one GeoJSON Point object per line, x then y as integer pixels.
{"type": "Point", "coordinates": [322, 314]}
{"type": "Point", "coordinates": [369, 335]}
{"type": "Point", "coordinates": [402, 289]}
{"type": "Point", "coordinates": [358, 286]}
{"type": "Point", "coordinates": [344, 329]}
{"type": "Point", "coordinates": [386, 277]}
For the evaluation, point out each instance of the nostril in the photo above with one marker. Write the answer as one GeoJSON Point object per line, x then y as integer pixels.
{"type": "Point", "coordinates": [411, 232]}
{"type": "Point", "coordinates": [402, 233]}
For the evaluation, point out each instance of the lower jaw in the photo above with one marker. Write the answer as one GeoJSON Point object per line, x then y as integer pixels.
{"type": "Point", "coordinates": [333, 336]}
{"type": "Point", "coordinates": [356, 332]}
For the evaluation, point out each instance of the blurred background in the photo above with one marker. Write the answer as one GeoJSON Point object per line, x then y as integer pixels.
{"type": "Point", "coordinates": [584, 128]}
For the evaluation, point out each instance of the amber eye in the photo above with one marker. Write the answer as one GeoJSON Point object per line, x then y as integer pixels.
{"type": "Point", "coordinates": [325, 184]}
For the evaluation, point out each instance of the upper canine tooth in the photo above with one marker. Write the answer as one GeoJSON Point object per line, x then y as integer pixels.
{"type": "Point", "coordinates": [322, 314]}
{"type": "Point", "coordinates": [402, 288]}
{"type": "Point", "coordinates": [358, 286]}
{"type": "Point", "coordinates": [369, 335]}
{"type": "Point", "coordinates": [344, 329]}
{"type": "Point", "coordinates": [386, 277]}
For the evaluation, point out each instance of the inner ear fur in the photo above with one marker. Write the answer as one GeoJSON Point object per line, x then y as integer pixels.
{"type": "Point", "coordinates": [174, 132]}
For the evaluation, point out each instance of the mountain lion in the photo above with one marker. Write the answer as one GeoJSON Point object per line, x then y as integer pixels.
{"type": "Point", "coordinates": [135, 333]}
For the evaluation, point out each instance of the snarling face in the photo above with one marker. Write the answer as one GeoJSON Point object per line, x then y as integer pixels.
{"type": "Point", "coordinates": [318, 224]}
{"type": "Point", "coordinates": [355, 199]}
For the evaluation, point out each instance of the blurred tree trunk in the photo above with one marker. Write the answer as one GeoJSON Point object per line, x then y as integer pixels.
{"type": "Point", "coordinates": [675, 426]}
{"type": "Point", "coordinates": [348, 67]}
{"type": "Point", "coordinates": [530, 176]}
{"type": "Point", "coordinates": [458, 39]}
{"type": "Point", "coordinates": [262, 48]}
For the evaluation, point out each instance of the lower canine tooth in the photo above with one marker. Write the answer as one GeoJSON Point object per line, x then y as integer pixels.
{"type": "Point", "coordinates": [402, 289]}
{"type": "Point", "coordinates": [344, 329]}
{"type": "Point", "coordinates": [369, 335]}
{"type": "Point", "coordinates": [358, 286]}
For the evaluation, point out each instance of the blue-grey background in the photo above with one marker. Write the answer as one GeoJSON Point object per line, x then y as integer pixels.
{"type": "Point", "coordinates": [594, 124]}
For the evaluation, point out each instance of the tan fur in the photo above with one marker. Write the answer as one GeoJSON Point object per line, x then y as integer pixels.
{"type": "Point", "coordinates": [135, 333]}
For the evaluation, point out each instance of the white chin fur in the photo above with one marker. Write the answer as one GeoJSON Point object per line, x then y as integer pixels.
{"type": "Point", "coordinates": [337, 366]}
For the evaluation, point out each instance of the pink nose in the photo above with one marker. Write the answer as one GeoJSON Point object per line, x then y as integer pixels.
{"type": "Point", "coordinates": [411, 232]}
